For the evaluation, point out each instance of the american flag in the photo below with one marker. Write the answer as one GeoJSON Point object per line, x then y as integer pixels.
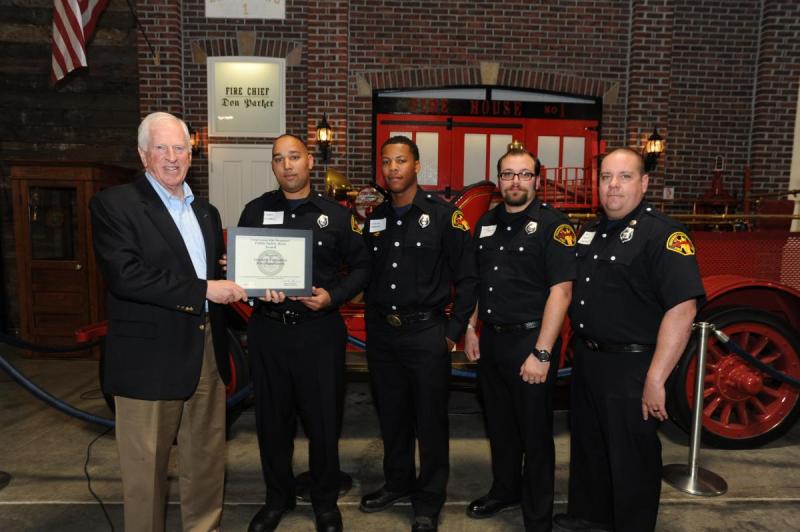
{"type": "Point", "coordinates": [73, 25]}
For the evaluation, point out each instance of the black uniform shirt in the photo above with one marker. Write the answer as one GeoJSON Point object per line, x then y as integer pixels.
{"type": "Point", "coordinates": [520, 256]}
{"type": "Point", "coordinates": [418, 257]}
{"type": "Point", "coordinates": [337, 242]}
{"type": "Point", "coordinates": [630, 272]}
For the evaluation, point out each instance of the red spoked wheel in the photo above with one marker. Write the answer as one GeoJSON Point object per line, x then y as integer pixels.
{"type": "Point", "coordinates": [240, 373]}
{"type": "Point", "coordinates": [743, 407]}
{"type": "Point", "coordinates": [237, 360]}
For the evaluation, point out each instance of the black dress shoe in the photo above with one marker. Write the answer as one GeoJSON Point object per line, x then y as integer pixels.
{"type": "Point", "coordinates": [424, 523]}
{"type": "Point", "coordinates": [380, 500]}
{"type": "Point", "coordinates": [487, 506]}
{"type": "Point", "coordinates": [267, 519]}
{"type": "Point", "coordinates": [568, 522]}
{"type": "Point", "coordinates": [329, 521]}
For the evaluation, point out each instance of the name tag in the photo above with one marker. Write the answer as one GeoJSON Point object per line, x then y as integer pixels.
{"type": "Point", "coordinates": [273, 217]}
{"type": "Point", "coordinates": [586, 238]}
{"type": "Point", "coordinates": [377, 225]}
{"type": "Point", "coordinates": [487, 230]}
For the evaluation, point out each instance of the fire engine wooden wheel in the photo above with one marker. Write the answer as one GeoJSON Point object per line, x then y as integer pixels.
{"type": "Point", "coordinates": [742, 407]}
{"type": "Point", "coordinates": [240, 372]}
{"type": "Point", "coordinates": [237, 358]}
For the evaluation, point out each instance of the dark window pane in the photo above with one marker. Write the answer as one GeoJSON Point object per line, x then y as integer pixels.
{"type": "Point", "coordinates": [53, 223]}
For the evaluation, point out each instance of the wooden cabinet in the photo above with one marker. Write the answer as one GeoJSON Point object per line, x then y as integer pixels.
{"type": "Point", "coordinates": [60, 288]}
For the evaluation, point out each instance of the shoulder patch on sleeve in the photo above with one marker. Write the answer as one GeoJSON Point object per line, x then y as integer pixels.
{"type": "Point", "coordinates": [459, 221]}
{"type": "Point", "coordinates": [679, 242]}
{"type": "Point", "coordinates": [565, 235]}
{"type": "Point", "coordinates": [354, 225]}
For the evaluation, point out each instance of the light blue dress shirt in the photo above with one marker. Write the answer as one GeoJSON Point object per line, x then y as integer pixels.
{"type": "Point", "coordinates": [186, 222]}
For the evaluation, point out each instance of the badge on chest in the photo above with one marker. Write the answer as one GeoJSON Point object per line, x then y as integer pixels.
{"type": "Point", "coordinates": [627, 234]}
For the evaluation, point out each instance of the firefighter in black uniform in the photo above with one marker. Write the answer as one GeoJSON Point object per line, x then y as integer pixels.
{"type": "Point", "coordinates": [421, 248]}
{"type": "Point", "coordinates": [637, 291]}
{"type": "Point", "coordinates": [526, 259]}
{"type": "Point", "coordinates": [297, 344]}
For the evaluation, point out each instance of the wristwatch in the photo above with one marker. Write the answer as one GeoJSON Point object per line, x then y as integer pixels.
{"type": "Point", "coordinates": [543, 355]}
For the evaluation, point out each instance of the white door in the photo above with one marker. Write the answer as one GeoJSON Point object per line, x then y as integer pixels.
{"type": "Point", "coordinates": [237, 174]}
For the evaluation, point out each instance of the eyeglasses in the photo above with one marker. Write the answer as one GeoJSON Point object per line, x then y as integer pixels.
{"type": "Point", "coordinates": [508, 175]}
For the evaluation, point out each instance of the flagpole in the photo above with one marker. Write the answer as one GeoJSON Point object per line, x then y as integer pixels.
{"type": "Point", "coordinates": [141, 29]}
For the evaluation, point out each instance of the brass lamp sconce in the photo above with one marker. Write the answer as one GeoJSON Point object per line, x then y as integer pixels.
{"type": "Point", "coordinates": [194, 139]}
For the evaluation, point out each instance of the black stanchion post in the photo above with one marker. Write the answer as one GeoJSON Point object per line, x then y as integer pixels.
{"type": "Point", "coordinates": [5, 478]}
{"type": "Point", "coordinates": [691, 478]}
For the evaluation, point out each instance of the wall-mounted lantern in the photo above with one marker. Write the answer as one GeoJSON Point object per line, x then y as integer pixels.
{"type": "Point", "coordinates": [653, 148]}
{"type": "Point", "coordinates": [324, 138]}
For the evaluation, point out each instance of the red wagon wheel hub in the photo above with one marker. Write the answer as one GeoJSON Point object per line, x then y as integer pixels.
{"type": "Point", "coordinates": [739, 401]}
{"type": "Point", "coordinates": [735, 381]}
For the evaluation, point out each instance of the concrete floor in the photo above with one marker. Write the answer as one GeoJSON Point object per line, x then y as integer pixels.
{"type": "Point", "coordinates": [44, 451]}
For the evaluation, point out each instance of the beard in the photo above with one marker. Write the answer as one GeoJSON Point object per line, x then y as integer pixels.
{"type": "Point", "coordinates": [515, 201]}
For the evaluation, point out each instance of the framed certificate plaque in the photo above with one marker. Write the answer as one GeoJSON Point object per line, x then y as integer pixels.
{"type": "Point", "coordinates": [260, 258]}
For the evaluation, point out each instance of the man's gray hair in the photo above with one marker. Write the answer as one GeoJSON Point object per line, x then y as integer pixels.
{"type": "Point", "coordinates": [153, 118]}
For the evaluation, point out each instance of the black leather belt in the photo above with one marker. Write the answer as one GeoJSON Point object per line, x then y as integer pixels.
{"type": "Point", "coordinates": [399, 319]}
{"type": "Point", "coordinates": [527, 326]}
{"type": "Point", "coordinates": [287, 317]}
{"type": "Point", "coordinates": [605, 347]}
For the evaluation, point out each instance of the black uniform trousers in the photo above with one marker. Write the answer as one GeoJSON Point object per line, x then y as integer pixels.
{"type": "Point", "coordinates": [409, 369]}
{"type": "Point", "coordinates": [615, 469]}
{"type": "Point", "coordinates": [519, 422]}
{"type": "Point", "coordinates": [298, 369]}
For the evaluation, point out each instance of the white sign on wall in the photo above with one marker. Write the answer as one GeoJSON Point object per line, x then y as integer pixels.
{"type": "Point", "coordinates": [246, 96]}
{"type": "Point", "coordinates": [275, 9]}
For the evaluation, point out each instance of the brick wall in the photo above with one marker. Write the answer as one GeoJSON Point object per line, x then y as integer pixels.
{"type": "Point", "coordinates": [328, 72]}
{"type": "Point", "coordinates": [91, 115]}
{"type": "Point", "coordinates": [716, 77]}
{"type": "Point", "coordinates": [650, 77]}
{"type": "Point", "coordinates": [87, 116]}
{"type": "Point", "coordinates": [159, 54]}
{"type": "Point", "coordinates": [204, 38]}
{"type": "Point", "coordinates": [777, 80]}
{"type": "Point", "coordinates": [696, 69]}
{"type": "Point", "coordinates": [714, 50]}
{"type": "Point", "coordinates": [578, 47]}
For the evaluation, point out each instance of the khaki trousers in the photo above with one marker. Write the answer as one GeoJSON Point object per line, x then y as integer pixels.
{"type": "Point", "coordinates": [145, 431]}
